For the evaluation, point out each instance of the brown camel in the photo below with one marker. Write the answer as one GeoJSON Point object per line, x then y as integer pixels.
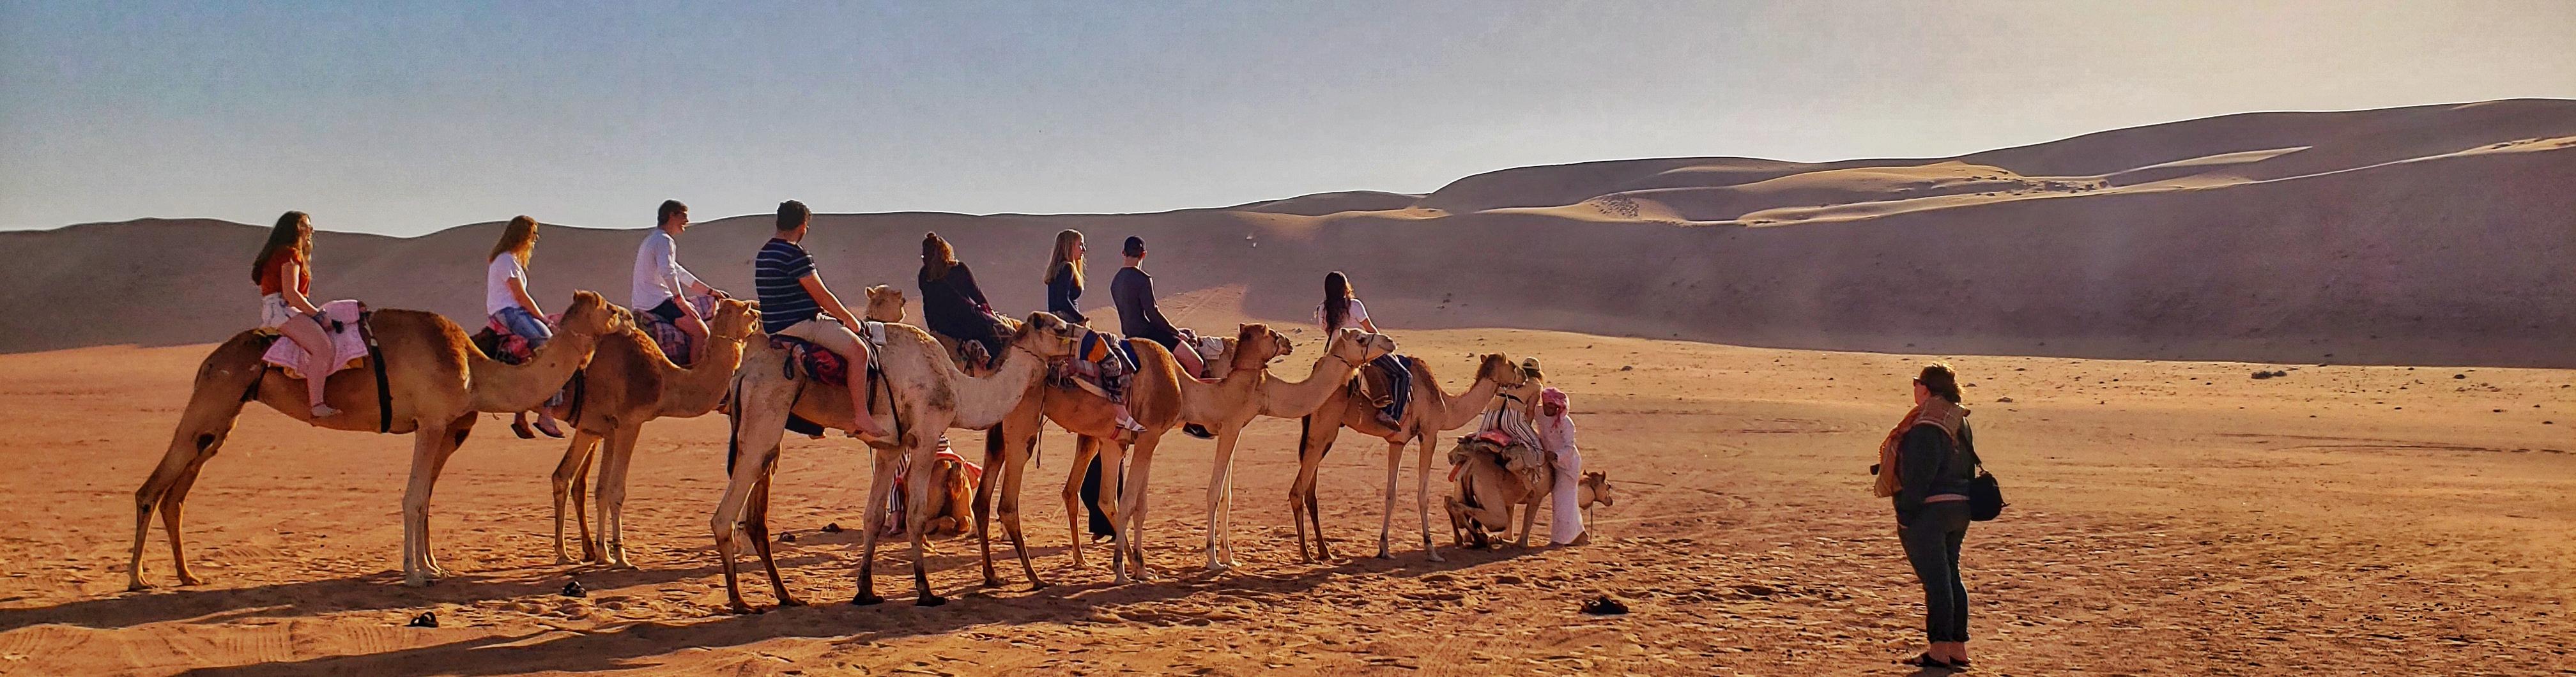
{"type": "Point", "coordinates": [628, 382]}
{"type": "Point", "coordinates": [925, 395]}
{"type": "Point", "coordinates": [436, 380]}
{"type": "Point", "coordinates": [1498, 490]}
{"type": "Point", "coordinates": [1344, 352]}
{"type": "Point", "coordinates": [1431, 412]}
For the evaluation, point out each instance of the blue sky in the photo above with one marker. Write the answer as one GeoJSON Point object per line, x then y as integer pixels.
{"type": "Point", "coordinates": [406, 118]}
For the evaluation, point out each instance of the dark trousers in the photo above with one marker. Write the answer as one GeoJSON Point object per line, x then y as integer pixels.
{"type": "Point", "coordinates": [1399, 383]}
{"type": "Point", "coordinates": [1931, 538]}
{"type": "Point", "coordinates": [1100, 525]}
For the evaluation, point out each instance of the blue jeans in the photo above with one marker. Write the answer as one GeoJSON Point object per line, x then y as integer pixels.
{"type": "Point", "coordinates": [526, 326]}
{"type": "Point", "coordinates": [1931, 539]}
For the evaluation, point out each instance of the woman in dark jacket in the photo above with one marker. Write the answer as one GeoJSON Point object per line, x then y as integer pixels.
{"type": "Point", "coordinates": [951, 304]}
{"type": "Point", "coordinates": [1064, 278]}
{"type": "Point", "coordinates": [1925, 466]}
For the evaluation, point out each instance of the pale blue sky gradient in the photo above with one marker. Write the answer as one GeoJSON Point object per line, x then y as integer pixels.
{"type": "Point", "coordinates": [404, 119]}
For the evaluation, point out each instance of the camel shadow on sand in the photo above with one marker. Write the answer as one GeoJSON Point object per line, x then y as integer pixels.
{"type": "Point", "coordinates": [828, 617]}
{"type": "Point", "coordinates": [377, 591]}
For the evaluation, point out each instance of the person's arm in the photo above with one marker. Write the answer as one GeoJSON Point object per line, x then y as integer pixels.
{"type": "Point", "coordinates": [1154, 311]}
{"type": "Point", "coordinates": [519, 290]}
{"type": "Point", "coordinates": [965, 281]}
{"type": "Point", "coordinates": [1366, 325]}
{"type": "Point", "coordinates": [823, 298]}
{"type": "Point", "coordinates": [1918, 463]}
{"type": "Point", "coordinates": [287, 274]}
{"type": "Point", "coordinates": [1361, 310]}
{"type": "Point", "coordinates": [1560, 434]}
{"type": "Point", "coordinates": [1060, 296]}
{"type": "Point", "coordinates": [669, 274]}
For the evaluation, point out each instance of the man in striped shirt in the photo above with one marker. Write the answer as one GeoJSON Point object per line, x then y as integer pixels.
{"type": "Point", "coordinates": [794, 302]}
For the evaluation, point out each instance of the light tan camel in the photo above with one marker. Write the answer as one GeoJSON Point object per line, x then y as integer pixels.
{"type": "Point", "coordinates": [1498, 490]}
{"type": "Point", "coordinates": [1344, 352]}
{"type": "Point", "coordinates": [1155, 400]}
{"type": "Point", "coordinates": [921, 394]}
{"type": "Point", "coordinates": [628, 382]}
{"type": "Point", "coordinates": [437, 381]}
{"type": "Point", "coordinates": [1430, 412]}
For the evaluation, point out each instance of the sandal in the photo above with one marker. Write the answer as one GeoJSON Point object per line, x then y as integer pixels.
{"type": "Point", "coordinates": [1926, 660]}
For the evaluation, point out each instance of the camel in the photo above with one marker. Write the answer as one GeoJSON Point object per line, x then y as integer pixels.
{"type": "Point", "coordinates": [927, 395]}
{"type": "Point", "coordinates": [1344, 352]}
{"type": "Point", "coordinates": [628, 382]}
{"type": "Point", "coordinates": [436, 381]}
{"type": "Point", "coordinates": [1497, 490]}
{"type": "Point", "coordinates": [1431, 412]}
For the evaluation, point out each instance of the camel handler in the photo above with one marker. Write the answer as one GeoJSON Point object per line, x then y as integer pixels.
{"type": "Point", "coordinates": [1556, 434]}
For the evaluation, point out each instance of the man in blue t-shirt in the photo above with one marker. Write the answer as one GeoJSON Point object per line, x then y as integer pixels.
{"type": "Point", "coordinates": [794, 302]}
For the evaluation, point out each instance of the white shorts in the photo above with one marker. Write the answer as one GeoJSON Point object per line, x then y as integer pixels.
{"type": "Point", "coordinates": [273, 311]}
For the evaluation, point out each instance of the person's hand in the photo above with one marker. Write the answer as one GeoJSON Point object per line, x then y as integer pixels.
{"type": "Point", "coordinates": [718, 293]}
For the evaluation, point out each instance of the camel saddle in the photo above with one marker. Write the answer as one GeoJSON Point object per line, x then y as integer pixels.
{"type": "Point", "coordinates": [1103, 364]}
{"type": "Point", "coordinates": [810, 361]}
{"type": "Point", "coordinates": [264, 337]}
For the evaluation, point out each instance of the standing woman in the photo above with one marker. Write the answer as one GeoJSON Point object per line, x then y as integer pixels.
{"type": "Point", "coordinates": [506, 299]}
{"type": "Point", "coordinates": [1391, 382]}
{"type": "Point", "coordinates": [284, 272]}
{"type": "Point", "coordinates": [1925, 465]}
{"type": "Point", "coordinates": [951, 303]}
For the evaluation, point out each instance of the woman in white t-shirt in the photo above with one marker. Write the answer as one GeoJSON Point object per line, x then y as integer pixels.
{"type": "Point", "coordinates": [506, 299]}
{"type": "Point", "coordinates": [1390, 381]}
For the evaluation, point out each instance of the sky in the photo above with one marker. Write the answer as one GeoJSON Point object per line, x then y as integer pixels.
{"type": "Point", "coordinates": [404, 118]}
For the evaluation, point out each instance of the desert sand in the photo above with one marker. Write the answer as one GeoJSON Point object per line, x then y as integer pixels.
{"type": "Point", "coordinates": [2168, 518]}
{"type": "Point", "coordinates": [1736, 334]}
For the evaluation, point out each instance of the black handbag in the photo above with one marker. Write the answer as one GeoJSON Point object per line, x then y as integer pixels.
{"type": "Point", "coordinates": [1985, 497]}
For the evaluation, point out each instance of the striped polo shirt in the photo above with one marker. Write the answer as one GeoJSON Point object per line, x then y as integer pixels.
{"type": "Point", "coordinates": [775, 272]}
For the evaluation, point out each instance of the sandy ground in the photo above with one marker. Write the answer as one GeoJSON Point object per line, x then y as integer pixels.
{"type": "Point", "coordinates": [2168, 518]}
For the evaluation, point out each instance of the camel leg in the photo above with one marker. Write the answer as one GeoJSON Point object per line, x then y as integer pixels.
{"type": "Point", "coordinates": [1017, 462]}
{"type": "Point", "coordinates": [455, 432]}
{"type": "Point", "coordinates": [213, 405]}
{"type": "Point", "coordinates": [567, 486]}
{"type": "Point", "coordinates": [1112, 457]}
{"type": "Point", "coordinates": [619, 452]}
{"type": "Point", "coordinates": [983, 506]}
{"type": "Point", "coordinates": [1386, 518]}
{"type": "Point", "coordinates": [1131, 502]}
{"type": "Point", "coordinates": [430, 447]}
{"type": "Point", "coordinates": [880, 482]}
{"type": "Point", "coordinates": [1301, 494]}
{"type": "Point", "coordinates": [1422, 496]}
{"type": "Point", "coordinates": [1084, 447]}
{"type": "Point", "coordinates": [917, 489]}
{"type": "Point", "coordinates": [756, 523]}
{"type": "Point", "coordinates": [756, 423]}
{"type": "Point", "coordinates": [1220, 488]}
{"type": "Point", "coordinates": [1529, 518]}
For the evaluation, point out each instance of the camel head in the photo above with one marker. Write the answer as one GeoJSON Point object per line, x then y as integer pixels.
{"type": "Point", "coordinates": [1596, 489]}
{"type": "Point", "coordinates": [1500, 369]}
{"type": "Point", "coordinates": [1255, 345]}
{"type": "Point", "coordinates": [1358, 347]}
{"type": "Point", "coordinates": [734, 320]}
{"type": "Point", "coordinates": [592, 315]}
{"type": "Point", "coordinates": [1045, 335]}
{"type": "Point", "coordinates": [885, 304]}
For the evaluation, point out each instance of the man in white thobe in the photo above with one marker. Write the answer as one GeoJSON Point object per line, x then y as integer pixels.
{"type": "Point", "coordinates": [1556, 435]}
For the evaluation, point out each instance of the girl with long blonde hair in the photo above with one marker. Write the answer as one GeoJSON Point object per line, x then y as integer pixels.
{"type": "Point", "coordinates": [284, 271]}
{"type": "Point", "coordinates": [507, 301]}
{"type": "Point", "coordinates": [1064, 277]}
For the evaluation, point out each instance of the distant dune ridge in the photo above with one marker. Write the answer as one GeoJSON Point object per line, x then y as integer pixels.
{"type": "Point", "coordinates": [2422, 235]}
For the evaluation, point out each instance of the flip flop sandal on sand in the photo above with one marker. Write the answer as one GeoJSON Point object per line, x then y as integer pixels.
{"type": "Point", "coordinates": [1927, 661]}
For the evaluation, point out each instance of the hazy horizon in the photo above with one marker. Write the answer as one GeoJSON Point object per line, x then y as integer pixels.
{"type": "Point", "coordinates": [403, 120]}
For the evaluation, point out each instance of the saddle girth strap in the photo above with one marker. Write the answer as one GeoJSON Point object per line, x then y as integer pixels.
{"type": "Point", "coordinates": [876, 376]}
{"type": "Point", "coordinates": [376, 360]}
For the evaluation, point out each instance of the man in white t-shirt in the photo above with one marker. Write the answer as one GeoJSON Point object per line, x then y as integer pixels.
{"type": "Point", "coordinates": [663, 289]}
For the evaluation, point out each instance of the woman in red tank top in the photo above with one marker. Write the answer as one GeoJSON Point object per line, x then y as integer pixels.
{"type": "Point", "coordinates": [284, 278]}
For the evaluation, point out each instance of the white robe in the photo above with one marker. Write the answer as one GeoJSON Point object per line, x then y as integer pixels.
{"type": "Point", "coordinates": [1556, 434]}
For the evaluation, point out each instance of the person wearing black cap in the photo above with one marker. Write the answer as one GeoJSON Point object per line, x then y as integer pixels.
{"type": "Point", "coordinates": [1133, 292]}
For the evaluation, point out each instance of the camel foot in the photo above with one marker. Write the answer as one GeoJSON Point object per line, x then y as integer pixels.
{"type": "Point", "coordinates": [137, 586]}
{"type": "Point", "coordinates": [930, 600]}
{"type": "Point", "coordinates": [188, 580]}
{"type": "Point", "coordinates": [869, 599]}
{"type": "Point", "coordinates": [1035, 586]}
{"type": "Point", "coordinates": [790, 601]}
{"type": "Point", "coordinates": [740, 609]}
{"type": "Point", "coordinates": [1437, 558]}
{"type": "Point", "coordinates": [417, 581]}
{"type": "Point", "coordinates": [990, 583]}
{"type": "Point", "coordinates": [1381, 554]}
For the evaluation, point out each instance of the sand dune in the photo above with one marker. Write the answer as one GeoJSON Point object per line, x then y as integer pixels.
{"type": "Point", "coordinates": [2431, 234]}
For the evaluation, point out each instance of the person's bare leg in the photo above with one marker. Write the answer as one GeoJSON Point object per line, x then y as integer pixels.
{"type": "Point", "coordinates": [1188, 356]}
{"type": "Point", "coordinates": [307, 334]}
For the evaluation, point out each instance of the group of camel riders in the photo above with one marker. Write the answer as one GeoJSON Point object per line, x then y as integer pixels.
{"type": "Point", "coordinates": [794, 301]}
